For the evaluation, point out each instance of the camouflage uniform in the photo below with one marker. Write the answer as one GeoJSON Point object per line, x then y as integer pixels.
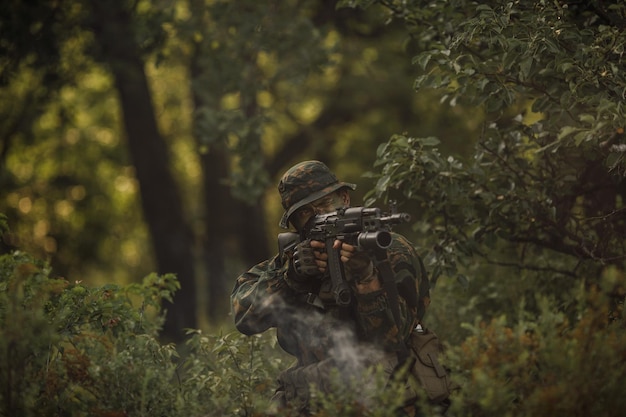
{"type": "Point", "coordinates": [310, 325]}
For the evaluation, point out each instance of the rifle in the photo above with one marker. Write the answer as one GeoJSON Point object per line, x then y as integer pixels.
{"type": "Point", "coordinates": [367, 228]}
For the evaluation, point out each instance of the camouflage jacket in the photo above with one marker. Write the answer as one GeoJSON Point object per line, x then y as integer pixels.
{"type": "Point", "coordinates": [311, 326]}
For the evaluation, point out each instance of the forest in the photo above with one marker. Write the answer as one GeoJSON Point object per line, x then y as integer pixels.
{"type": "Point", "coordinates": [141, 144]}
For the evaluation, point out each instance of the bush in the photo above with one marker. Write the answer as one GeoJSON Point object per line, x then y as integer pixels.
{"type": "Point", "coordinates": [70, 350]}
{"type": "Point", "coordinates": [548, 364]}
{"type": "Point", "coordinates": [67, 349]}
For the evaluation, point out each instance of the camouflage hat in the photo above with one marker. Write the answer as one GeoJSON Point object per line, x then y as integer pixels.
{"type": "Point", "coordinates": [304, 183]}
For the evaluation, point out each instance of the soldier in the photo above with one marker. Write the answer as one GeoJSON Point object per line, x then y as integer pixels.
{"type": "Point", "coordinates": [291, 292]}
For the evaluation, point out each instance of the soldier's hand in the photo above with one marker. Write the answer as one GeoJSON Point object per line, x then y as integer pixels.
{"type": "Point", "coordinates": [359, 268]}
{"type": "Point", "coordinates": [304, 259]}
{"type": "Point", "coordinates": [321, 257]}
{"type": "Point", "coordinates": [357, 263]}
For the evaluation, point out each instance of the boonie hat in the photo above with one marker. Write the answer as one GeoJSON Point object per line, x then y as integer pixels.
{"type": "Point", "coordinates": [304, 183]}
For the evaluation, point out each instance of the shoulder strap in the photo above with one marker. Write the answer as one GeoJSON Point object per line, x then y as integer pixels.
{"type": "Point", "coordinates": [389, 285]}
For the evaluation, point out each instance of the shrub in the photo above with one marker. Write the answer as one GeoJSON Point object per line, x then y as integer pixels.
{"type": "Point", "coordinates": [68, 349]}
{"type": "Point", "coordinates": [549, 364]}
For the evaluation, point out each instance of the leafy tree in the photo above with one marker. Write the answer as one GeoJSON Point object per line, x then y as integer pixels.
{"type": "Point", "coordinates": [265, 93]}
{"type": "Point", "coordinates": [323, 87]}
{"type": "Point", "coordinates": [532, 224]}
{"type": "Point", "coordinates": [116, 35]}
{"type": "Point", "coordinates": [83, 31]}
{"type": "Point", "coordinates": [62, 162]}
{"type": "Point", "coordinates": [233, 61]}
{"type": "Point", "coordinates": [547, 176]}
{"type": "Point", "coordinates": [31, 54]}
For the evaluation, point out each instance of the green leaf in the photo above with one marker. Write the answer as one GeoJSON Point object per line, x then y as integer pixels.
{"type": "Point", "coordinates": [587, 118]}
{"type": "Point", "coordinates": [383, 182]}
{"type": "Point", "coordinates": [581, 137]}
{"type": "Point", "coordinates": [566, 131]}
{"type": "Point", "coordinates": [463, 280]}
{"type": "Point", "coordinates": [430, 141]}
{"type": "Point", "coordinates": [525, 68]}
{"type": "Point", "coordinates": [423, 59]}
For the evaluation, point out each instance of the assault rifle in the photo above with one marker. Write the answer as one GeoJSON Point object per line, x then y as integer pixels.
{"type": "Point", "coordinates": [367, 228]}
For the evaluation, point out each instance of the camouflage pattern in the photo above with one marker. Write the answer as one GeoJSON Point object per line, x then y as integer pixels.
{"type": "Point", "coordinates": [304, 183]}
{"type": "Point", "coordinates": [311, 327]}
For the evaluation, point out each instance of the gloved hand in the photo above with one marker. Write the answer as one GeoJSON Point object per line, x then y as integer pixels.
{"type": "Point", "coordinates": [302, 265]}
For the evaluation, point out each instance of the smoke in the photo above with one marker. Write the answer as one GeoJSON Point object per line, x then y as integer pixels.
{"type": "Point", "coordinates": [328, 349]}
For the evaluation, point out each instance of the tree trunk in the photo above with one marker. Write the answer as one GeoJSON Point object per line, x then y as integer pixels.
{"type": "Point", "coordinates": [218, 211]}
{"type": "Point", "coordinates": [234, 229]}
{"type": "Point", "coordinates": [172, 239]}
{"type": "Point", "coordinates": [221, 212]}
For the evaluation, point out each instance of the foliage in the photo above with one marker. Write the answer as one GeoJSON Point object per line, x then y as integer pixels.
{"type": "Point", "coordinates": [532, 225]}
{"type": "Point", "coordinates": [545, 364]}
{"type": "Point", "coordinates": [505, 208]}
{"type": "Point", "coordinates": [64, 169]}
{"type": "Point", "coordinates": [548, 183]}
{"type": "Point", "coordinates": [69, 349]}
{"type": "Point", "coordinates": [243, 59]}
{"type": "Point", "coordinates": [565, 58]}
{"type": "Point", "coordinates": [315, 82]}
{"type": "Point", "coordinates": [4, 224]}
{"type": "Point", "coordinates": [64, 345]}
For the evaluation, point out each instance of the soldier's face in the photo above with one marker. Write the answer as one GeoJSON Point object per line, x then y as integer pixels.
{"type": "Point", "coordinates": [324, 205]}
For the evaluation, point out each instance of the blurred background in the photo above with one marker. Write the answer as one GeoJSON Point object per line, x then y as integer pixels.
{"type": "Point", "coordinates": [149, 136]}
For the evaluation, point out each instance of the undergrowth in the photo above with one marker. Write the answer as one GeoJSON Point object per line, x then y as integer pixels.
{"type": "Point", "coordinates": [67, 349]}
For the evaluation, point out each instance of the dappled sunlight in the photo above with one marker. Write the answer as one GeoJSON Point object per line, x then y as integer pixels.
{"type": "Point", "coordinates": [25, 205]}
{"type": "Point", "coordinates": [307, 111]}
{"type": "Point", "coordinates": [125, 184]}
{"type": "Point", "coordinates": [64, 208]}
